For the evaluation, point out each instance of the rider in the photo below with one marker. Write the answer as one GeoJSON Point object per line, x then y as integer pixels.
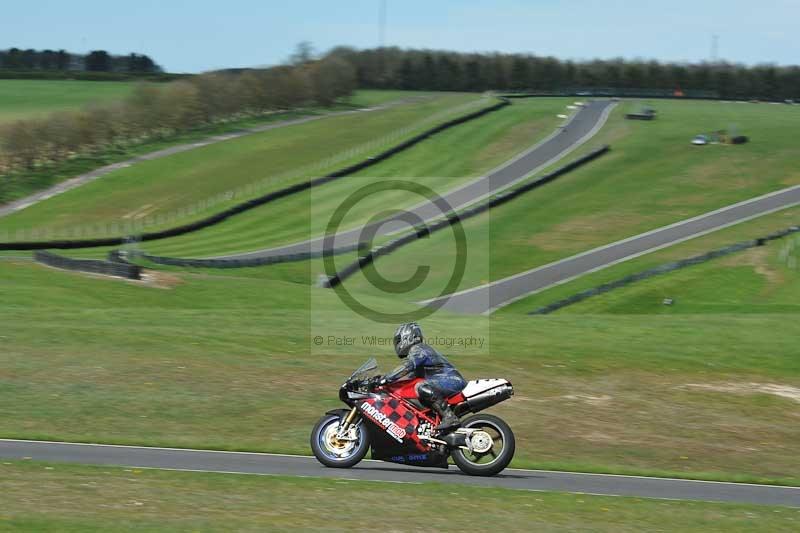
{"type": "Point", "coordinates": [441, 379]}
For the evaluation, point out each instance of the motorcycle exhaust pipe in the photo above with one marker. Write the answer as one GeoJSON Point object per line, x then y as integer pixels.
{"type": "Point", "coordinates": [484, 400]}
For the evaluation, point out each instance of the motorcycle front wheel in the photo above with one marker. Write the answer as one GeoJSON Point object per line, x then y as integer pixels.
{"type": "Point", "coordinates": [493, 446]}
{"type": "Point", "coordinates": [334, 452]}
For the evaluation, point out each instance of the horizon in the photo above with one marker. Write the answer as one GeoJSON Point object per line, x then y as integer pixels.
{"type": "Point", "coordinates": [211, 40]}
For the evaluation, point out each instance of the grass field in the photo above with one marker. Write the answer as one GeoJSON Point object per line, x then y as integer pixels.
{"type": "Point", "coordinates": [227, 362]}
{"type": "Point", "coordinates": [776, 278]}
{"type": "Point", "coordinates": [226, 359]}
{"type": "Point", "coordinates": [180, 187]}
{"type": "Point", "coordinates": [651, 178]}
{"type": "Point", "coordinates": [36, 98]}
{"type": "Point", "coordinates": [440, 163]}
{"type": "Point", "coordinates": [24, 183]}
{"type": "Point", "coordinates": [754, 281]}
{"type": "Point", "coordinates": [68, 498]}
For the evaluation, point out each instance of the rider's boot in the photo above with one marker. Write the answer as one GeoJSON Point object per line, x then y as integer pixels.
{"type": "Point", "coordinates": [449, 421]}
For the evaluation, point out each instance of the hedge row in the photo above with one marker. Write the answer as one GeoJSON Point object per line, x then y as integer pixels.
{"type": "Point", "coordinates": [89, 75]}
{"type": "Point", "coordinates": [255, 202]}
{"type": "Point", "coordinates": [662, 269]}
{"type": "Point", "coordinates": [455, 218]}
{"type": "Point", "coordinates": [107, 268]}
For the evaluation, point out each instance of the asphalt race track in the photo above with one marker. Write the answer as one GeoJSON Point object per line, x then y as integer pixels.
{"type": "Point", "coordinates": [583, 125]}
{"type": "Point", "coordinates": [487, 298]}
{"type": "Point", "coordinates": [290, 465]}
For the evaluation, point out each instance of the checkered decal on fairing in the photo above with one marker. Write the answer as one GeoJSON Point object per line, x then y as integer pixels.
{"type": "Point", "coordinates": [402, 415]}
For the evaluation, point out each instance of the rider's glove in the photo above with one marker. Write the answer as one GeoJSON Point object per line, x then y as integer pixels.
{"type": "Point", "coordinates": [376, 382]}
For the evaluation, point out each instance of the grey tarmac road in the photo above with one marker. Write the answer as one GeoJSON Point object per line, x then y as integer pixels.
{"type": "Point", "coordinates": [581, 127]}
{"type": "Point", "coordinates": [487, 298]}
{"type": "Point", "coordinates": [290, 465]}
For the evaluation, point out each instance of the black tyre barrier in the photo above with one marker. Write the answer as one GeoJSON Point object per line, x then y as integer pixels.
{"type": "Point", "coordinates": [640, 116]}
{"type": "Point", "coordinates": [94, 266]}
{"type": "Point", "coordinates": [457, 217]}
{"type": "Point", "coordinates": [117, 256]}
{"type": "Point", "coordinates": [662, 269]}
{"type": "Point", "coordinates": [255, 202]}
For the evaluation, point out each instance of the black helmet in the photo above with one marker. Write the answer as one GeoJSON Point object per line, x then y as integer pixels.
{"type": "Point", "coordinates": [406, 336]}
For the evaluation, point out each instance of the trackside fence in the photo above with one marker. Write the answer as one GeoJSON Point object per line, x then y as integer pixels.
{"type": "Point", "coordinates": [259, 201]}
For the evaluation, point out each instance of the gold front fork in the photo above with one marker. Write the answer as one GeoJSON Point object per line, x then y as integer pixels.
{"type": "Point", "coordinates": [350, 418]}
{"type": "Point", "coordinates": [346, 424]}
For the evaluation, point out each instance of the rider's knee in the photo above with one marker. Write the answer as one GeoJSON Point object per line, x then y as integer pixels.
{"type": "Point", "coordinates": [425, 392]}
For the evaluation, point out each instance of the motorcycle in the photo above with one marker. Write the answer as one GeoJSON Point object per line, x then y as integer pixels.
{"type": "Point", "coordinates": [392, 421]}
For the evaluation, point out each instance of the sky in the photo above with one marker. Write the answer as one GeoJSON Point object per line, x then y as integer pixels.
{"type": "Point", "coordinates": [199, 35]}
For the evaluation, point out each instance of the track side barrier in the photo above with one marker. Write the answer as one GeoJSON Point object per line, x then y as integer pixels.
{"type": "Point", "coordinates": [255, 202]}
{"type": "Point", "coordinates": [94, 266]}
{"type": "Point", "coordinates": [117, 255]}
{"type": "Point", "coordinates": [662, 269]}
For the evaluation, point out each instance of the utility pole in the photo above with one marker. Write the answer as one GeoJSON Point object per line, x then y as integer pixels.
{"type": "Point", "coordinates": [714, 48]}
{"type": "Point", "coordinates": [382, 38]}
{"type": "Point", "coordinates": [382, 23]}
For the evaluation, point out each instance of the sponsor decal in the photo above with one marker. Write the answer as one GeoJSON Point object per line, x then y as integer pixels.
{"type": "Point", "coordinates": [413, 458]}
{"type": "Point", "coordinates": [395, 431]}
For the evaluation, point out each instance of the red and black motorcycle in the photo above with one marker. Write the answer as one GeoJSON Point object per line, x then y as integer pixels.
{"type": "Point", "coordinates": [392, 421]}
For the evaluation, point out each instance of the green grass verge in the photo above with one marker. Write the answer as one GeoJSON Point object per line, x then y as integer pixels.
{"type": "Point", "coordinates": [20, 99]}
{"type": "Point", "coordinates": [440, 163]}
{"type": "Point", "coordinates": [227, 361]}
{"type": "Point", "coordinates": [189, 185]}
{"type": "Point", "coordinates": [754, 281]}
{"type": "Point", "coordinates": [761, 280]}
{"type": "Point", "coordinates": [41, 496]}
{"type": "Point", "coordinates": [23, 183]}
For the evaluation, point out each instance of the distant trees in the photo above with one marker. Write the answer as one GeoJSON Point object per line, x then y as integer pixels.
{"type": "Point", "coordinates": [157, 110]}
{"type": "Point", "coordinates": [397, 68]}
{"type": "Point", "coordinates": [139, 63]}
{"type": "Point", "coordinates": [95, 61]}
{"type": "Point", "coordinates": [303, 53]}
{"type": "Point", "coordinates": [331, 78]}
{"type": "Point", "coordinates": [98, 61]}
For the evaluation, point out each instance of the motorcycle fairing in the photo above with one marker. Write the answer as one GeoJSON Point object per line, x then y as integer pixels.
{"type": "Point", "coordinates": [393, 419]}
{"type": "Point", "coordinates": [392, 424]}
{"type": "Point", "coordinates": [433, 458]}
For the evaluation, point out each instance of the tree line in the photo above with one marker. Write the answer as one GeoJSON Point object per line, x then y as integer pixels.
{"type": "Point", "coordinates": [16, 59]}
{"type": "Point", "coordinates": [395, 68]}
{"type": "Point", "coordinates": [162, 110]}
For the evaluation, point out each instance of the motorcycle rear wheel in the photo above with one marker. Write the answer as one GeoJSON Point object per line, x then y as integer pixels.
{"type": "Point", "coordinates": [496, 458]}
{"type": "Point", "coordinates": [333, 452]}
